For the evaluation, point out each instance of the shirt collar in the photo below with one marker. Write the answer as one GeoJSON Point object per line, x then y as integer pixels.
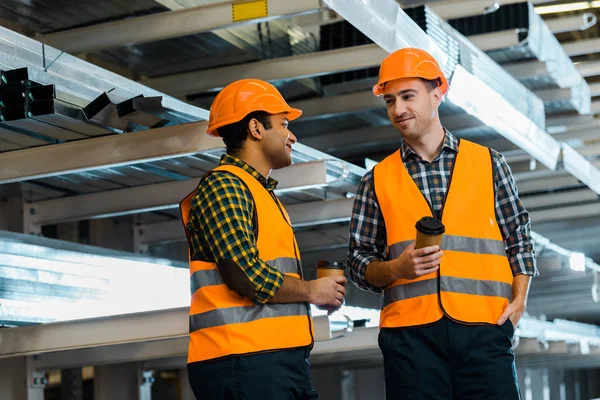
{"type": "Point", "coordinates": [450, 143]}
{"type": "Point", "coordinates": [268, 183]}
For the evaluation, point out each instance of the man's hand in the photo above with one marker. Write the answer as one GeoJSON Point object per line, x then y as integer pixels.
{"type": "Point", "coordinates": [412, 264]}
{"type": "Point", "coordinates": [329, 292]}
{"type": "Point", "coordinates": [513, 311]}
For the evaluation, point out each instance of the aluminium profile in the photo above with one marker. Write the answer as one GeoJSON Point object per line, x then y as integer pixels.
{"type": "Point", "coordinates": [534, 40]}
{"type": "Point", "coordinates": [150, 112]}
{"type": "Point", "coordinates": [65, 116]}
{"type": "Point", "coordinates": [103, 111]}
{"type": "Point", "coordinates": [16, 117]}
{"type": "Point", "coordinates": [74, 76]}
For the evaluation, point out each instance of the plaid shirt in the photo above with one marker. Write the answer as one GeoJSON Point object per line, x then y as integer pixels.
{"type": "Point", "coordinates": [367, 228]}
{"type": "Point", "coordinates": [221, 227]}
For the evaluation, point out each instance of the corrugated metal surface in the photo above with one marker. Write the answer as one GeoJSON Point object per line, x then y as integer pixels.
{"type": "Point", "coordinates": [45, 16]}
{"type": "Point", "coordinates": [212, 49]}
{"type": "Point", "coordinates": [172, 56]}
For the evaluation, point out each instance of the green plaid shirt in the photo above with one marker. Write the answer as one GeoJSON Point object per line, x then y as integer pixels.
{"type": "Point", "coordinates": [221, 227]}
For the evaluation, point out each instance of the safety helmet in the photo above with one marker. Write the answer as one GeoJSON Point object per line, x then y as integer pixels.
{"type": "Point", "coordinates": [243, 97]}
{"type": "Point", "coordinates": [409, 62]}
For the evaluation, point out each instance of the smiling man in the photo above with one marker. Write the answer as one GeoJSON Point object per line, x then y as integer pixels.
{"type": "Point", "coordinates": [449, 314]}
{"type": "Point", "coordinates": [250, 324]}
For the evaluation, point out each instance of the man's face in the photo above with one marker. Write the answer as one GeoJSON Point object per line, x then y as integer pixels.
{"type": "Point", "coordinates": [411, 106]}
{"type": "Point", "coordinates": [278, 141]}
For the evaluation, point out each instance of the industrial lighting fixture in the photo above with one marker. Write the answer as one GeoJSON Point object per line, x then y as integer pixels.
{"type": "Point", "coordinates": [558, 8]}
{"type": "Point", "coordinates": [577, 261]}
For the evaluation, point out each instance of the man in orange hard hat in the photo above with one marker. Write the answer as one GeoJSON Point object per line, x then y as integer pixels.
{"type": "Point", "coordinates": [449, 312]}
{"type": "Point", "coordinates": [250, 323]}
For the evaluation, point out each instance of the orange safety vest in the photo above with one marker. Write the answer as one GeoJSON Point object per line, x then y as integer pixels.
{"type": "Point", "coordinates": [474, 282]}
{"type": "Point", "coordinates": [223, 323]}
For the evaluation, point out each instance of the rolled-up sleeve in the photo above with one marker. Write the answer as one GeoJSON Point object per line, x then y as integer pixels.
{"type": "Point", "coordinates": [221, 220]}
{"type": "Point", "coordinates": [367, 234]}
{"type": "Point", "coordinates": [513, 220]}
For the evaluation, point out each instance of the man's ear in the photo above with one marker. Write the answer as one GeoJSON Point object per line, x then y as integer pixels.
{"type": "Point", "coordinates": [255, 129]}
{"type": "Point", "coordinates": [437, 96]}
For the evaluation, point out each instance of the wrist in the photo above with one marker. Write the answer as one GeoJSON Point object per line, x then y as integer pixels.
{"type": "Point", "coordinates": [395, 269]}
{"type": "Point", "coordinates": [519, 300]}
{"type": "Point", "coordinates": [310, 291]}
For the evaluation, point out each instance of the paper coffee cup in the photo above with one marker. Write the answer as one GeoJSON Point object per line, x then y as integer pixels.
{"type": "Point", "coordinates": [429, 232]}
{"type": "Point", "coordinates": [329, 268]}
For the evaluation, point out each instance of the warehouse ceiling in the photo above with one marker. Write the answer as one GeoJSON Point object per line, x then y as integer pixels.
{"type": "Point", "coordinates": [174, 56]}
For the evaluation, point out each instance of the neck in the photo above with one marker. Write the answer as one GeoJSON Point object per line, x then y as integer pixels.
{"type": "Point", "coordinates": [255, 161]}
{"type": "Point", "coordinates": [429, 144]}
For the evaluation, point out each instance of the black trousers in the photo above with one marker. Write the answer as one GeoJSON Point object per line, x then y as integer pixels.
{"type": "Point", "coordinates": [279, 375]}
{"type": "Point", "coordinates": [449, 361]}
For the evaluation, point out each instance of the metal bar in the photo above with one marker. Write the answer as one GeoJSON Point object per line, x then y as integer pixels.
{"type": "Point", "coordinates": [588, 68]}
{"type": "Point", "coordinates": [582, 47]}
{"type": "Point", "coordinates": [277, 69]}
{"type": "Point", "coordinates": [496, 40]}
{"type": "Point", "coordinates": [107, 151]}
{"type": "Point", "coordinates": [163, 334]}
{"type": "Point", "coordinates": [172, 232]}
{"type": "Point", "coordinates": [322, 212]}
{"type": "Point", "coordinates": [566, 213]}
{"type": "Point", "coordinates": [119, 329]}
{"type": "Point", "coordinates": [580, 22]}
{"type": "Point", "coordinates": [312, 213]}
{"type": "Point", "coordinates": [548, 95]}
{"type": "Point", "coordinates": [465, 8]}
{"type": "Point", "coordinates": [545, 185]}
{"type": "Point", "coordinates": [324, 107]}
{"type": "Point", "coordinates": [168, 25]}
{"type": "Point", "coordinates": [589, 132]}
{"type": "Point", "coordinates": [159, 196]}
{"type": "Point", "coordinates": [74, 77]}
{"type": "Point", "coordinates": [558, 199]}
{"type": "Point", "coordinates": [594, 89]}
{"type": "Point", "coordinates": [526, 69]}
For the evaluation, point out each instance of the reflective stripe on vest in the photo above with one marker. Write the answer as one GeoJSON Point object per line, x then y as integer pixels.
{"type": "Point", "coordinates": [447, 284]}
{"type": "Point", "coordinates": [237, 315]}
{"type": "Point", "coordinates": [211, 277]}
{"type": "Point", "coordinates": [474, 281]}
{"type": "Point", "coordinates": [457, 243]}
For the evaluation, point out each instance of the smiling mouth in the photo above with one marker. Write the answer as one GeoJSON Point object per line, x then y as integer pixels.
{"type": "Point", "coordinates": [402, 121]}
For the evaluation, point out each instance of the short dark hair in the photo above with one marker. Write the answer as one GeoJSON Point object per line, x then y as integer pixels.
{"type": "Point", "coordinates": [234, 135]}
{"type": "Point", "coordinates": [431, 84]}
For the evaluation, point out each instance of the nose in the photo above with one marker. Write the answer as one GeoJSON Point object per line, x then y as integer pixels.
{"type": "Point", "coordinates": [399, 108]}
{"type": "Point", "coordinates": [292, 137]}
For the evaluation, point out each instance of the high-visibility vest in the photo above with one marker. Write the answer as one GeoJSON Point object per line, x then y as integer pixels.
{"type": "Point", "coordinates": [474, 282]}
{"type": "Point", "coordinates": [224, 323]}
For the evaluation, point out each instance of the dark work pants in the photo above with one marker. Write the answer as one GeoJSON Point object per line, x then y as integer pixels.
{"type": "Point", "coordinates": [449, 361]}
{"type": "Point", "coordinates": [279, 375]}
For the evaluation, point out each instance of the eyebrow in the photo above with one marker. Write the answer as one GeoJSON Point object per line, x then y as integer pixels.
{"type": "Point", "coordinates": [402, 92]}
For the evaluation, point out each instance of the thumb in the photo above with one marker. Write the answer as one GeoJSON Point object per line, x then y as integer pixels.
{"type": "Point", "coordinates": [507, 312]}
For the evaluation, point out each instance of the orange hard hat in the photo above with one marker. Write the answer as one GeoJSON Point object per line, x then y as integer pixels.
{"type": "Point", "coordinates": [409, 62]}
{"type": "Point", "coordinates": [242, 97]}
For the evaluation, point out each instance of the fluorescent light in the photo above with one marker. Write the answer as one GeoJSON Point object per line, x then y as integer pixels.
{"type": "Point", "coordinates": [595, 4]}
{"type": "Point", "coordinates": [577, 261]}
{"type": "Point", "coordinates": [581, 5]}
